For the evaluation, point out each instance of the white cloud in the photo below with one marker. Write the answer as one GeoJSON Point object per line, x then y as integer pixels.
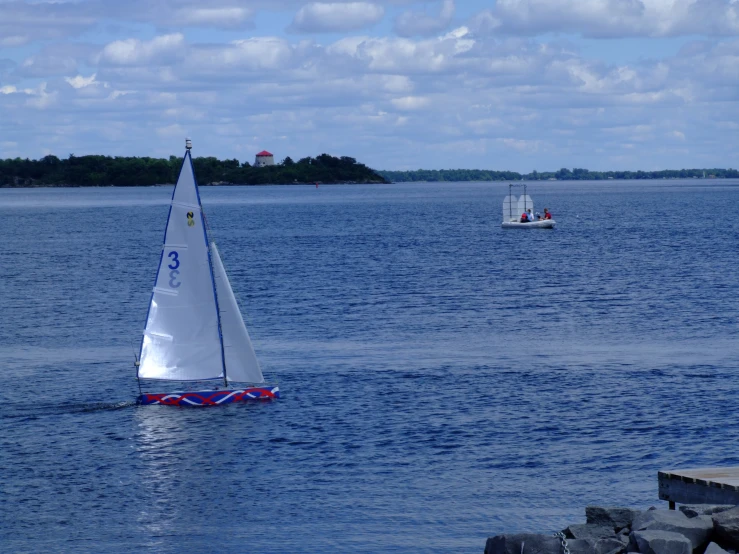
{"type": "Point", "coordinates": [80, 82]}
{"type": "Point", "coordinates": [348, 46]}
{"type": "Point", "coordinates": [40, 99]}
{"type": "Point", "coordinates": [25, 21]}
{"type": "Point", "coordinates": [413, 23]}
{"type": "Point", "coordinates": [460, 36]}
{"type": "Point", "coordinates": [487, 125]}
{"type": "Point", "coordinates": [225, 17]}
{"type": "Point", "coordinates": [14, 40]}
{"type": "Point", "coordinates": [118, 93]}
{"type": "Point", "coordinates": [520, 145]}
{"type": "Point", "coordinates": [11, 89]}
{"type": "Point", "coordinates": [320, 17]}
{"type": "Point", "coordinates": [410, 102]}
{"type": "Point", "coordinates": [136, 52]}
{"type": "Point", "coordinates": [22, 22]}
{"type": "Point", "coordinates": [387, 100]}
{"type": "Point", "coordinates": [47, 65]}
{"type": "Point", "coordinates": [171, 131]}
{"type": "Point", "coordinates": [396, 83]}
{"type": "Point", "coordinates": [259, 53]}
{"type": "Point", "coordinates": [36, 97]}
{"type": "Point", "coordinates": [400, 55]}
{"type": "Point", "coordinates": [611, 18]}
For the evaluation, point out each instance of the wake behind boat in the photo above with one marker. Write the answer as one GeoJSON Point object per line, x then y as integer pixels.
{"type": "Point", "coordinates": [514, 208]}
{"type": "Point", "coordinates": [194, 328]}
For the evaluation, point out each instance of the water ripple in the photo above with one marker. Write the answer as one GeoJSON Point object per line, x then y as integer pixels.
{"type": "Point", "coordinates": [442, 380]}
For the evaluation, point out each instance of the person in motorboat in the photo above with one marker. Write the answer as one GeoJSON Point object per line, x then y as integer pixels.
{"type": "Point", "coordinates": [547, 214]}
{"type": "Point", "coordinates": [524, 218]}
{"type": "Point", "coordinates": [530, 215]}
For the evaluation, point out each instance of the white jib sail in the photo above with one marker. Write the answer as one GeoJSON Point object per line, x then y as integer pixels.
{"type": "Point", "coordinates": [241, 362]}
{"type": "Point", "coordinates": [181, 340]}
{"type": "Point", "coordinates": [510, 209]}
{"type": "Point", "coordinates": [525, 203]}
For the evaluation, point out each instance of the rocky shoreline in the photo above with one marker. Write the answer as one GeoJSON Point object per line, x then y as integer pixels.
{"type": "Point", "coordinates": [694, 529]}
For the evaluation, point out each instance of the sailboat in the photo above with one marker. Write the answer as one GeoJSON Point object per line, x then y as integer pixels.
{"type": "Point", "coordinates": [514, 206]}
{"type": "Point", "coordinates": [194, 328]}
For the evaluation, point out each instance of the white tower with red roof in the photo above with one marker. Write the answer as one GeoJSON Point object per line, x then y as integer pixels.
{"type": "Point", "coordinates": [264, 158]}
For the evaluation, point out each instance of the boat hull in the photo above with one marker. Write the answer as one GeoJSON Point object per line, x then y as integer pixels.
{"type": "Point", "coordinates": [543, 224]}
{"type": "Point", "coordinates": [209, 397]}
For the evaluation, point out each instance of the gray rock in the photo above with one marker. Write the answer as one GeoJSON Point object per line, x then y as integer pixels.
{"type": "Point", "coordinates": [713, 548]}
{"type": "Point", "coordinates": [618, 518]}
{"type": "Point", "coordinates": [641, 521]}
{"type": "Point", "coordinates": [659, 542]}
{"type": "Point", "coordinates": [693, 510]}
{"type": "Point", "coordinates": [726, 527]}
{"type": "Point", "coordinates": [523, 543]}
{"type": "Point", "coordinates": [624, 539]}
{"type": "Point", "coordinates": [589, 531]}
{"type": "Point", "coordinates": [610, 546]}
{"type": "Point", "coordinates": [541, 544]}
{"type": "Point", "coordinates": [581, 546]}
{"type": "Point", "coordinates": [698, 529]}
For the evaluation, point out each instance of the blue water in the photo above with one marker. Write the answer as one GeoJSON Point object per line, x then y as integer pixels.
{"type": "Point", "coordinates": [443, 379]}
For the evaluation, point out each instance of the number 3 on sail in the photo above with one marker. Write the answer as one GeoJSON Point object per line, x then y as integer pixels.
{"type": "Point", "coordinates": [173, 282]}
{"type": "Point", "coordinates": [194, 328]}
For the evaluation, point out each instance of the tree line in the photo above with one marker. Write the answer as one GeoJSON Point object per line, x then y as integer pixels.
{"type": "Point", "coordinates": [564, 174]}
{"type": "Point", "coordinates": [133, 171]}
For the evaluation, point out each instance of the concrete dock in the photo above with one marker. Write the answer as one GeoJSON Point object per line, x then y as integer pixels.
{"type": "Point", "coordinates": [708, 485]}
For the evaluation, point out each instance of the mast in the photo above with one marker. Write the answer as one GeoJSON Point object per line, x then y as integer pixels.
{"type": "Point", "coordinates": [188, 146]}
{"type": "Point", "coordinates": [510, 201]}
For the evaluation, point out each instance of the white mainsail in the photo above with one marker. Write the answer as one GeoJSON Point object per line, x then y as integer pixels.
{"type": "Point", "coordinates": [525, 203]}
{"type": "Point", "coordinates": [510, 208]}
{"type": "Point", "coordinates": [241, 361]}
{"type": "Point", "coordinates": [181, 340]}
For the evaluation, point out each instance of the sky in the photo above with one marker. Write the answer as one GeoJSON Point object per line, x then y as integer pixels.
{"type": "Point", "coordinates": [517, 85]}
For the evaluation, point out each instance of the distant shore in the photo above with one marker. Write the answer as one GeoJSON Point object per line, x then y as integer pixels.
{"type": "Point", "coordinates": [105, 171]}
{"type": "Point", "coordinates": [564, 174]}
{"type": "Point", "coordinates": [37, 185]}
